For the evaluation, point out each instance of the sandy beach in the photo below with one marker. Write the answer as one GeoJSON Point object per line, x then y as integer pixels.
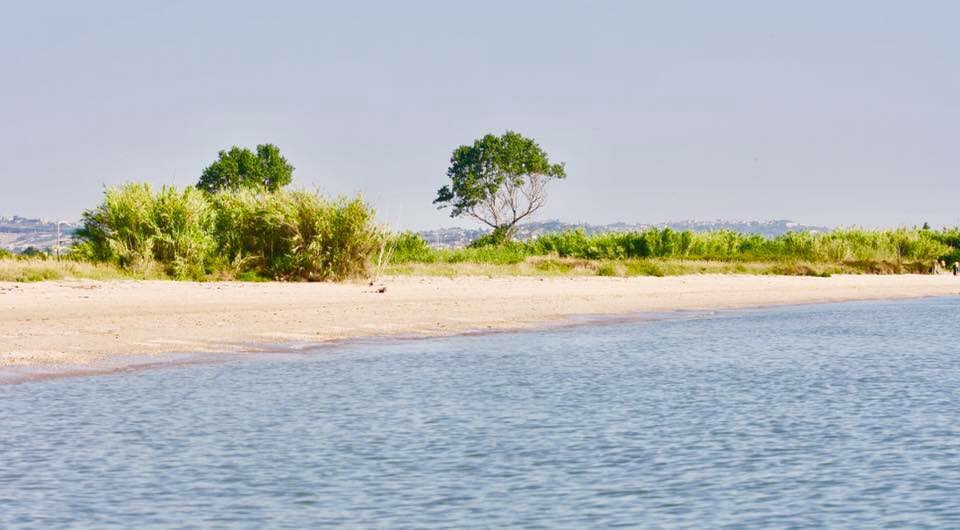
{"type": "Point", "coordinates": [81, 323]}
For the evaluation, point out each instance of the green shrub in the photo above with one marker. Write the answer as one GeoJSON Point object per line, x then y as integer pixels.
{"type": "Point", "coordinates": [138, 229]}
{"type": "Point", "coordinates": [294, 234]}
{"type": "Point", "coordinates": [409, 247]}
{"type": "Point", "coordinates": [183, 221]}
{"type": "Point", "coordinates": [507, 254]}
{"type": "Point", "coordinates": [121, 229]}
{"type": "Point", "coordinates": [190, 234]}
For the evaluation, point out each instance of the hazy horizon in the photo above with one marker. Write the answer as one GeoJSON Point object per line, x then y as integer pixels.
{"type": "Point", "coordinates": [820, 113]}
{"type": "Point", "coordinates": [465, 223]}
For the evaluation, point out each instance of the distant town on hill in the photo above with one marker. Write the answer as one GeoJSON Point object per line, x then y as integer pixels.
{"type": "Point", "coordinates": [459, 237]}
{"type": "Point", "coordinates": [20, 233]}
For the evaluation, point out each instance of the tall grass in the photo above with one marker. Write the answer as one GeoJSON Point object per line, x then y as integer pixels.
{"type": "Point", "coordinates": [900, 250]}
{"type": "Point", "coordinates": [295, 234]}
{"type": "Point", "coordinates": [188, 233]}
{"type": "Point", "coordinates": [837, 246]}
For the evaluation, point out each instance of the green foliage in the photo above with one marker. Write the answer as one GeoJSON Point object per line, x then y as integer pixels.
{"type": "Point", "coordinates": [837, 246]}
{"type": "Point", "coordinates": [294, 234]}
{"type": "Point", "coordinates": [499, 180]}
{"type": "Point", "coordinates": [951, 239]}
{"type": "Point", "coordinates": [244, 233]}
{"type": "Point", "coordinates": [182, 222]}
{"type": "Point", "coordinates": [136, 228]}
{"type": "Point", "coordinates": [412, 248]}
{"type": "Point", "coordinates": [497, 255]}
{"type": "Point", "coordinates": [241, 168]}
{"type": "Point", "coordinates": [409, 247]}
{"type": "Point", "coordinates": [878, 251]}
{"type": "Point", "coordinates": [5, 254]}
{"type": "Point", "coordinates": [120, 229]}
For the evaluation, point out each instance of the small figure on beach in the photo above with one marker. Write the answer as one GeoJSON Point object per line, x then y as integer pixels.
{"type": "Point", "coordinates": [956, 268]}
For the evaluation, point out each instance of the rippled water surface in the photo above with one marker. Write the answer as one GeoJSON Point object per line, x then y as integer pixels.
{"type": "Point", "coordinates": [842, 415]}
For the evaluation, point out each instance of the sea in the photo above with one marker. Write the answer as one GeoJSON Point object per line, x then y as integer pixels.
{"type": "Point", "coordinates": [819, 416]}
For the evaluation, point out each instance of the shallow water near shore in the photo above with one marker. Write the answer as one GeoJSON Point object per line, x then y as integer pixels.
{"type": "Point", "coordinates": [840, 415]}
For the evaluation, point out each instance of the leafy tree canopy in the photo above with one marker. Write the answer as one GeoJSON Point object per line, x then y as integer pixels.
{"type": "Point", "coordinates": [241, 168]}
{"type": "Point", "coordinates": [499, 181]}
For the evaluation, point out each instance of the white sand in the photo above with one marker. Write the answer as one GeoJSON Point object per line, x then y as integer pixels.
{"type": "Point", "coordinates": [83, 322]}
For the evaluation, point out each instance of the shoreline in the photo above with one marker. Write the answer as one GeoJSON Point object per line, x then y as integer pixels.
{"type": "Point", "coordinates": [64, 328]}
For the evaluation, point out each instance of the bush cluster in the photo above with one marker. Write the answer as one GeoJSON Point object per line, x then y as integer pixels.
{"type": "Point", "coordinates": [189, 233]}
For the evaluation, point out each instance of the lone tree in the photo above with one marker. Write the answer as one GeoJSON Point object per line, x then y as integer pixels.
{"type": "Point", "coordinates": [499, 181]}
{"type": "Point", "coordinates": [241, 168]}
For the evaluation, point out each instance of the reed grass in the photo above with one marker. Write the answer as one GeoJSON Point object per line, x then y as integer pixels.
{"type": "Point", "coordinates": [849, 250]}
{"type": "Point", "coordinates": [38, 269]}
{"type": "Point", "coordinates": [255, 235]}
{"type": "Point", "coordinates": [251, 234]}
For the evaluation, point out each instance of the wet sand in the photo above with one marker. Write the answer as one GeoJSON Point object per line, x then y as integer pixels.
{"type": "Point", "coordinates": [64, 326]}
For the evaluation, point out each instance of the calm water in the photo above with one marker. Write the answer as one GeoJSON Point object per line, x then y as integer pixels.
{"type": "Point", "coordinates": [841, 415]}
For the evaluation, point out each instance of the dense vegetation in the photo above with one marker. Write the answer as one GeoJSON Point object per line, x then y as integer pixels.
{"type": "Point", "coordinates": [850, 250]}
{"type": "Point", "coordinates": [239, 222]}
{"type": "Point", "coordinates": [244, 233]}
{"type": "Point", "coordinates": [295, 235]}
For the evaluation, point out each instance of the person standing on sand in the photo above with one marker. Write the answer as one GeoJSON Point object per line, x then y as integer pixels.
{"type": "Point", "coordinates": [956, 268]}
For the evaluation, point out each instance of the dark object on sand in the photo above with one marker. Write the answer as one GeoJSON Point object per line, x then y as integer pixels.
{"type": "Point", "coordinates": [382, 290]}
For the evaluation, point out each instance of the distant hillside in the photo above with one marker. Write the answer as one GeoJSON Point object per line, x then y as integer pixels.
{"type": "Point", "coordinates": [458, 237]}
{"type": "Point", "coordinates": [19, 233]}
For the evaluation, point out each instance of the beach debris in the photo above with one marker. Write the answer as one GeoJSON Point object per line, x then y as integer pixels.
{"type": "Point", "coordinates": [382, 289]}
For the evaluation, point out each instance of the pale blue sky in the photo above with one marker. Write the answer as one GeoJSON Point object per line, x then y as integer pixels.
{"type": "Point", "coordinates": [822, 112]}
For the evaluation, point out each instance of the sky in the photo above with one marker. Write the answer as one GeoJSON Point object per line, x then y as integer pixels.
{"type": "Point", "coordinates": [822, 112]}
